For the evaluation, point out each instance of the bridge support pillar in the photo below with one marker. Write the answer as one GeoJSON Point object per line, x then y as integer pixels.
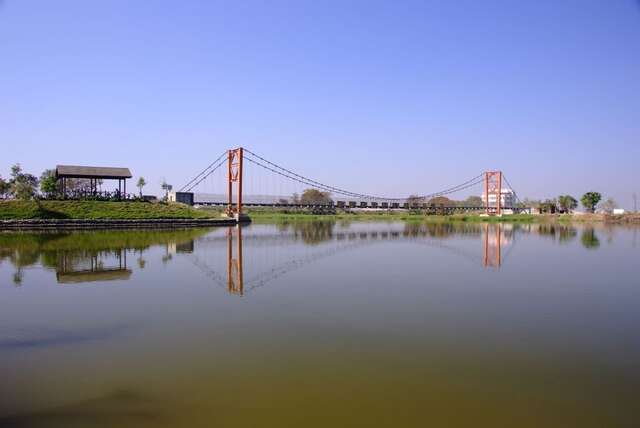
{"type": "Point", "coordinates": [493, 190]}
{"type": "Point", "coordinates": [234, 175]}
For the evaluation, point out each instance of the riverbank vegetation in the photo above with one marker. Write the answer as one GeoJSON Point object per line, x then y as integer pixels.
{"type": "Point", "coordinates": [260, 215]}
{"type": "Point", "coordinates": [94, 210]}
{"type": "Point", "coordinates": [273, 214]}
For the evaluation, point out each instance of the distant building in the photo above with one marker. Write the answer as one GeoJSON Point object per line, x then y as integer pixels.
{"type": "Point", "coordinates": [182, 197]}
{"type": "Point", "coordinates": [507, 199]}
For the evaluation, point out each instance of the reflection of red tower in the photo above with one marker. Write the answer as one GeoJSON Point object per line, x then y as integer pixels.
{"type": "Point", "coordinates": [493, 187]}
{"type": "Point", "coordinates": [235, 176]}
{"type": "Point", "coordinates": [235, 283]}
{"type": "Point", "coordinates": [492, 245]}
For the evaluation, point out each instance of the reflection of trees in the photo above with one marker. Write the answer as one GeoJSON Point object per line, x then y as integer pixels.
{"type": "Point", "coordinates": [547, 229]}
{"type": "Point", "coordinates": [442, 230]}
{"type": "Point", "coordinates": [563, 233]}
{"type": "Point", "coordinates": [141, 262]}
{"type": "Point", "coordinates": [567, 234]}
{"type": "Point", "coordinates": [310, 232]}
{"type": "Point", "coordinates": [590, 239]}
{"type": "Point", "coordinates": [17, 277]}
{"type": "Point", "coordinates": [61, 251]}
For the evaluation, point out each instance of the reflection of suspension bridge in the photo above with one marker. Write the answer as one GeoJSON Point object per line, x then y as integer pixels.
{"type": "Point", "coordinates": [235, 281]}
{"type": "Point", "coordinates": [266, 183]}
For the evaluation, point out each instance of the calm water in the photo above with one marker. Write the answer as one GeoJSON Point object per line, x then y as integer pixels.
{"type": "Point", "coordinates": [322, 324]}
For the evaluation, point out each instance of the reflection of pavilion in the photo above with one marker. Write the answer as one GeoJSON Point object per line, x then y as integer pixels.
{"type": "Point", "coordinates": [73, 269]}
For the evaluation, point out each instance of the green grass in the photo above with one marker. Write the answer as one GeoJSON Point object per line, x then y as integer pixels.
{"type": "Point", "coordinates": [263, 215]}
{"type": "Point", "coordinates": [94, 210]}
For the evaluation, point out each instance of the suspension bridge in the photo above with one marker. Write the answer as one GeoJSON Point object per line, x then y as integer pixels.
{"type": "Point", "coordinates": [241, 178]}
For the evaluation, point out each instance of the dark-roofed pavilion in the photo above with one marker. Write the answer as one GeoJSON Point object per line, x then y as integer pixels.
{"type": "Point", "coordinates": [93, 173]}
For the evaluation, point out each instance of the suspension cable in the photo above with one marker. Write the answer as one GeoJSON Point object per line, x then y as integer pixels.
{"type": "Point", "coordinates": [307, 181]}
{"type": "Point", "coordinates": [277, 169]}
{"type": "Point", "coordinates": [207, 175]}
{"type": "Point", "coordinates": [304, 180]}
{"type": "Point", "coordinates": [514, 191]}
{"type": "Point", "coordinates": [203, 171]}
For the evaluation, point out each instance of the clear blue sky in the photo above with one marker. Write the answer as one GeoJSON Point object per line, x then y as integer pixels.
{"type": "Point", "coordinates": [392, 97]}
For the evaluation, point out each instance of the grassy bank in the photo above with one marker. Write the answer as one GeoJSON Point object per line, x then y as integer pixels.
{"type": "Point", "coordinates": [259, 215]}
{"type": "Point", "coordinates": [94, 210]}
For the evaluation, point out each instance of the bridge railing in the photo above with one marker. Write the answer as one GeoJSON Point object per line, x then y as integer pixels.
{"type": "Point", "coordinates": [428, 208]}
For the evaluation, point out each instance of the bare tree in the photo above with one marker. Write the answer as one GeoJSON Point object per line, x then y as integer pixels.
{"type": "Point", "coordinates": [608, 206]}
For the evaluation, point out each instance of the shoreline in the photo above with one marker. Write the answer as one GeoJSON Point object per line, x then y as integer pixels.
{"type": "Point", "coordinates": [102, 224]}
{"type": "Point", "coordinates": [259, 216]}
{"type": "Point", "coordinates": [86, 215]}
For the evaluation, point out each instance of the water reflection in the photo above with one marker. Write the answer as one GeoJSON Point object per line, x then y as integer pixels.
{"type": "Point", "coordinates": [492, 246]}
{"type": "Point", "coordinates": [274, 250]}
{"type": "Point", "coordinates": [321, 240]}
{"type": "Point", "coordinates": [89, 256]}
{"type": "Point", "coordinates": [375, 321]}
{"type": "Point", "coordinates": [590, 239]}
{"type": "Point", "coordinates": [75, 267]}
{"type": "Point", "coordinates": [235, 283]}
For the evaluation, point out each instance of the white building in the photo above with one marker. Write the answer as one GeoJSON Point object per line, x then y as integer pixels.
{"type": "Point", "coordinates": [507, 199]}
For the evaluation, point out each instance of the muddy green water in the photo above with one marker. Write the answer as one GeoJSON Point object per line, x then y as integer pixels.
{"type": "Point", "coordinates": [322, 324]}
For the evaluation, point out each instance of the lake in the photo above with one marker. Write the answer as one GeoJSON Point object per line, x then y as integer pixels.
{"type": "Point", "coordinates": [317, 324]}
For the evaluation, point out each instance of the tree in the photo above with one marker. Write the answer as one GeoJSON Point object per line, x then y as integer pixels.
{"type": "Point", "coordinates": [548, 206]}
{"type": "Point", "coordinates": [77, 185]}
{"type": "Point", "coordinates": [608, 205]}
{"type": "Point", "coordinates": [567, 203]}
{"type": "Point", "coordinates": [48, 183]}
{"type": "Point", "coordinates": [473, 201]}
{"type": "Point", "coordinates": [23, 186]}
{"type": "Point", "coordinates": [442, 201]}
{"type": "Point", "coordinates": [414, 200]}
{"type": "Point", "coordinates": [141, 183]}
{"type": "Point", "coordinates": [4, 188]}
{"type": "Point", "coordinates": [16, 171]}
{"type": "Point", "coordinates": [167, 188]}
{"type": "Point", "coordinates": [590, 200]}
{"type": "Point", "coordinates": [315, 197]}
{"type": "Point", "coordinates": [531, 203]}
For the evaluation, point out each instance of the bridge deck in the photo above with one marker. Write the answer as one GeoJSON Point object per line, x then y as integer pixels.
{"type": "Point", "coordinates": [369, 206]}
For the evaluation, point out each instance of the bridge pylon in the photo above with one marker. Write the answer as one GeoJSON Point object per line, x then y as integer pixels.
{"type": "Point", "coordinates": [234, 176]}
{"type": "Point", "coordinates": [493, 192]}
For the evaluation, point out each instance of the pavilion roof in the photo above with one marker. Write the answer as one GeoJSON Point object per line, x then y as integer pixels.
{"type": "Point", "coordinates": [75, 171]}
